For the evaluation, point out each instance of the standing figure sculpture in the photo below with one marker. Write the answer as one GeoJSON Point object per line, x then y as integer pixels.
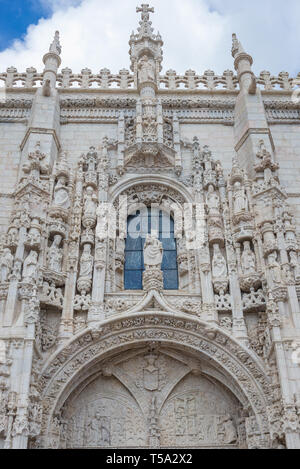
{"type": "Point", "coordinates": [86, 262]}
{"type": "Point", "coordinates": [6, 263]}
{"type": "Point", "coordinates": [240, 199]}
{"type": "Point", "coordinates": [98, 433]}
{"type": "Point", "coordinates": [90, 203]}
{"type": "Point", "coordinates": [213, 201]}
{"type": "Point", "coordinates": [61, 193]}
{"type": "Point", "coordinates": [30, 266]}
{"type": "Point", "coordinates": [153, 252]}
{"type": "Point", "coordinates": [55, 255]}
{"type": "Point", "coordinates": [146, 70]}
{"type": "Point", "coordinates": [248, 260]}
{"type": "Point", "coordinates": [219, 267]}
{"type": "Point", "coordinates": [274, 268]}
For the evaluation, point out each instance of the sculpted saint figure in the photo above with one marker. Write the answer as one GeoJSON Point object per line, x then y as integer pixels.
{"type": "Point", "coordinates": [240, 199]}
{"type": "Point", "coordinates": [153, 251]}
{"type": "Point", "coordinates": [30, 265]}
{"type": "Point", "coordinates": [90, 202]}
{"type": "Point", "coordinates": [61, 193]}
{"type": "Point", "coordinates": [295, 264]}
{"type": "Point", "coordinates": [274, 268]}
{"type": "Point", "coordinates": [55, 255]}
{"type": "Point", "coordinates": [86, 262]}
{"type": "Point", "coordinates": [102, 221]}
{"type": "Point", "coordinates": [219, 267]}
{"type": "Point", "coordinates": [6, 263]}
{"type": "Point", "coordinates": [146, 70]}
{"type": "Point", "coordinates": [13, 235]}
{"type": "Point", "coordinates": [230, 435]}
{"type": "Point", "coordinates": [248, 260]}
{"type": "Point", "coordinates": [213, 201]}
{"type": "Point", "coordinates": [98, 433]}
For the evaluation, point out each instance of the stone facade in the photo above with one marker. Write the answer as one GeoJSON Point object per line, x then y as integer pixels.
{"type": "Point", "coordinates": [85, 363]}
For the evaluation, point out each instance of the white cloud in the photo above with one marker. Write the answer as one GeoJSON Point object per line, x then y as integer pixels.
{"type": "Point", "coordinates": [196, 33]}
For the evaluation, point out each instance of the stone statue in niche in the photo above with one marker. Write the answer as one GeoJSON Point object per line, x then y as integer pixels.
{"type": "Point", "coordinates": [90, 203]}
{"type": "Point", "coordinates": [213, 201]}
{"type": "Point", "coordinates": [30, 266]}
{"type": "Point", "coordinates": [146, 69]}
{"type": "Point", "coordinates": [102, 222]}
{"type": "Point", "coordinates": [6, 263]}
{"type": "Point", "coordinates": [153, 252]}
{"type": "Point", "coordinates": [91, 160]}
{"type": "Point", "coordinates": [98, 431]}
{"type": "Point", "coordinates": [13, 235]}
{"type": "Point", "coordinates": [61, 193]}
{"type": "Point", "coordinates": [295, 264]}
{"type": "Point", "coordinates": [219, 267]}
{"type": "Point", "coordinates": [248, 260]}
{"type": "Point", "coordinates": [86, 262]}
{"type": "Point", "coordinates": [274, 268]}
{"type": "Point", "coordinates": [55, 255]}
{"type": "Point", "coordinates": [240, 203]}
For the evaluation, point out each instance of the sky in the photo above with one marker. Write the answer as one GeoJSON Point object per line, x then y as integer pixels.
{"type": "Point", "coordinates": [196, 33]}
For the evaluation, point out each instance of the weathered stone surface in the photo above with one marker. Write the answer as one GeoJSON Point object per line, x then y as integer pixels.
{"type": "Point", "coordinates": [85, 363]}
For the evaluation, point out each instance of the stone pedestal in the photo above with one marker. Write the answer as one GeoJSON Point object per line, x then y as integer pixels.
{"type": "Point", "coordinates": [153, 279]}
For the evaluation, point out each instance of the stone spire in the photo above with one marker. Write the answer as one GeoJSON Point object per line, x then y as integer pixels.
{"type": "Point", "coordinates": [242, 64]}
{"type": "Point", "coordinates": [52, 62]}
{"type": "Point", "coordinates": [145, 49]}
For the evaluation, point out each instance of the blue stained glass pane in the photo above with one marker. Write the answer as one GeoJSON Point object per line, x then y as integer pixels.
{"type": "Point", "coordinates": [170, 280]}
{"type": "Point", "coordinates": [166, 225]}
{"type": "Point", "coordinates": [133, 260]}
{"type": "Point", "coordinates": [166, 234]}
{"type": "Point", "coordinates": [169, 260]}
{"type": "Point", "coordinates": [168, 244]}
{"type": "Point", "coordinates": [133, 244]}
{"type": "Point", "coordinates": [133, 280]}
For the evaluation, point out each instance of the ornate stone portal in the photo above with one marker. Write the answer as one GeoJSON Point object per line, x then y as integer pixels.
{"type": "Point", "coordinates": [85, 363]}
{"type": "Point", "coordinates": [151, 396]}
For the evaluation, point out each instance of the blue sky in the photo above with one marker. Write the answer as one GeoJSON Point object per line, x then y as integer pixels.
{"type": "Point", "coordinates": [196, 33]}
{"type": "Point", "coordinates": [15, 18]}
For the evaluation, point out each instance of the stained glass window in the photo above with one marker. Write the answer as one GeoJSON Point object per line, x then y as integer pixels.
{"type": "Point", "coordinates": [138, 226]}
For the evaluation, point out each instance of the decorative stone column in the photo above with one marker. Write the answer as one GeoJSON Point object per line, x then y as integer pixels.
{"type": "Point", "coordinates": [104, 218]}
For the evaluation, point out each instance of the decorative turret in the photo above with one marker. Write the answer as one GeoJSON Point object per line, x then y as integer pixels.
{"type": "Point", "coordinates": [52, 62]}
{"type": "Point", "coordinates": [146, 52]}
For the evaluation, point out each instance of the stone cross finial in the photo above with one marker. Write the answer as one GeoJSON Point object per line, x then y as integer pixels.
{"type": "Point", "coordinates": [55, 46]}
{"type": "Point", "coordinates": [145, 10]}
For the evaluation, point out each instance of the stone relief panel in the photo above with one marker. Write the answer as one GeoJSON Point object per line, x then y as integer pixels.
{"type": "Point", "coordinates": [153, 399]}
{"type": "Point", "coordinates": [104, 415]}
{"type": "Point", "coordinates": [198, 413]}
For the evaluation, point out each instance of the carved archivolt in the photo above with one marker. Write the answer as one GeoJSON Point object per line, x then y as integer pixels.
{"type": "Point", "coordinates": [157, 186]}
{"type": "Point", "coordinates": [62, 374]}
